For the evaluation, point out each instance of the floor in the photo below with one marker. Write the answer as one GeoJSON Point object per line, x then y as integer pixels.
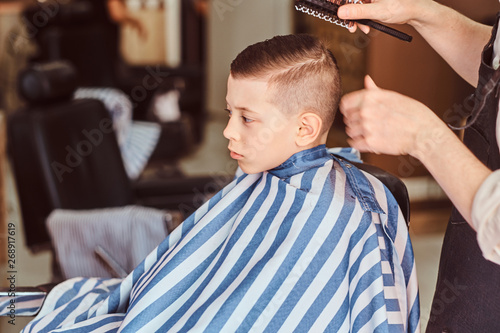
{"type": "Point", "coordinates": [426, 229]}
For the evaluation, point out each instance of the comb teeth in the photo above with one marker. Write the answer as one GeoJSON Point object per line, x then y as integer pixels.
{"type": "Point", "coordinates": [325, 10]}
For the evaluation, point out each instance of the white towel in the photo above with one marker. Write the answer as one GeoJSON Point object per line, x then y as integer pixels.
{"type": "Point", "coordinates": [128, 234]}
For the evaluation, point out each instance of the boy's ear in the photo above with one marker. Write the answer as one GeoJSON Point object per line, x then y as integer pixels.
{"type": "Point", "coordinates": [310, 125]}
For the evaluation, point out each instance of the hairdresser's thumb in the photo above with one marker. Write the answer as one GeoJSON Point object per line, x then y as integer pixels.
{"type": "Point", "coordinates": [350, 11]}
{"type": "Point", "coordinates": [370, 84]}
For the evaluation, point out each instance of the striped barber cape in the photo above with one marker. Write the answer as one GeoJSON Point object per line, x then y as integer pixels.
{"type": "Point", "coordinates": [312, 245]}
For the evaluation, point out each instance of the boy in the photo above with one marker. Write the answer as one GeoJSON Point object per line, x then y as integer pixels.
{"type": "Point", "coordinates": [284, 93]}
{"type": "Point", "coordinates": [299, 241]}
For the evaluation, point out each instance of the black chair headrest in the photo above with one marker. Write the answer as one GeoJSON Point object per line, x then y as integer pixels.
{"type": "Point", "coordinates": [47, 82]}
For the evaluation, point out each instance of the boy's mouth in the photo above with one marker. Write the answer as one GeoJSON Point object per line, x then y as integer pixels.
{"type": "Point", "coordinates": [235, 156]}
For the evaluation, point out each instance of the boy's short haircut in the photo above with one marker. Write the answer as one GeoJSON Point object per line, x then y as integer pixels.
{"type": "Point", "coordinates": [302, 74]}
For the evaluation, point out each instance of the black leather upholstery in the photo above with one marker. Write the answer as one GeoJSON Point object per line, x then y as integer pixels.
{"type": "Point", "coordinates": [47, 82]}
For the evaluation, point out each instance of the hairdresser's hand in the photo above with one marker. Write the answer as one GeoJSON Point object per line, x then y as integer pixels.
{"type": "Point", "coordinates": [385, 11]}
{"type": "Point", "coordinates": [386, 122]}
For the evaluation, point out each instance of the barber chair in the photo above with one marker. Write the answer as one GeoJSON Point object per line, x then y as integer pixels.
{"type": "Point", "coordinates": [81, 32]}
{"type": "Point", "coordinates": [65, 155]}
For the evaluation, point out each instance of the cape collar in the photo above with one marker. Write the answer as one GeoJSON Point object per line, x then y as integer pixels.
{"type": "Point", "coordinates": [302, 161]}
{"type": "Point", "coordinates": [318, 156]}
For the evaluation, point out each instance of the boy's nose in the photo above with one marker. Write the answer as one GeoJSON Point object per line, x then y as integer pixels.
{"type": "Point", "coordinates": [230, 132]}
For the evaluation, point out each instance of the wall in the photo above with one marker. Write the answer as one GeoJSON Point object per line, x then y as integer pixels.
{"type": "Point", "coordinates": [161, 44]}
{"type": "Point", "coordinates": [232, 26]}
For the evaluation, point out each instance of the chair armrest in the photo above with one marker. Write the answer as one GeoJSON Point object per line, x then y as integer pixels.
{"type": "Point", "coordinates": [184, 194]}
{"type": "Point", "coordinates": [174, 142]}
{"type": "Point", "coordinates": [23, 301]}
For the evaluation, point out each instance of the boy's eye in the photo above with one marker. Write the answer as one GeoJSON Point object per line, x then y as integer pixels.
{"type": "Point", "coordinates": [245, 119]}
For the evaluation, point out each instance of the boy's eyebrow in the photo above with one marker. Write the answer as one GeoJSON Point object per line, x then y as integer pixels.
{"type": "Point", "coordinates": [242, 108]}
{"type": "Point", "coordinates": [245, 109]}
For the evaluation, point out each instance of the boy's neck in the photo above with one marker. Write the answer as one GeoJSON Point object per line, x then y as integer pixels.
{"type": "Point", "coordinates": [314, 144]}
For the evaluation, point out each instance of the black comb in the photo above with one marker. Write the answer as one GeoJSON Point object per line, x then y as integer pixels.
{"type": "Point", "coordinates": [327, 11]}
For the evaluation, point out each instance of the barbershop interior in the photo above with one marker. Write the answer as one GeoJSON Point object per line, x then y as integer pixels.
{"type": "Point", "coordinates": [156, 71]}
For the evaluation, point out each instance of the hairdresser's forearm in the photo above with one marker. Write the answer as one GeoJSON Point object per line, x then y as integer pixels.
{"type": "Point", "coordinates": [455, 168]}
{"type": "Point", "coordinates": [458, 39]}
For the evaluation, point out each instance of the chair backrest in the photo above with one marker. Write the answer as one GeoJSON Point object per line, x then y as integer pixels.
{"type": "Point", "coordinates": [64, 152]}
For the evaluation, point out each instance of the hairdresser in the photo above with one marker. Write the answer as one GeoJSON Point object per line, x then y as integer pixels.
{"type": "Point", "coordinates": [467, 297]}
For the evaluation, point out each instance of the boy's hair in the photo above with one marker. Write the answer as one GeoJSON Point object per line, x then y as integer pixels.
{"type": "Point", "coordinates": [302, 74]}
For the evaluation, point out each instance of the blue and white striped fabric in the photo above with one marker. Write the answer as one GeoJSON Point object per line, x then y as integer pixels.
{"type": "Point", "coordinates": [16, 304]}
{"type": "Point", "coordinates": [139, 146]}
{"type": "Point", "coordinates": [312, 245]}
{"type": "Point", "coordinates": [348, 153]}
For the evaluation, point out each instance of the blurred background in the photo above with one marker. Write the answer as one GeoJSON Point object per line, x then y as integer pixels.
{"type": "Point", "coordinates": [170, 60]}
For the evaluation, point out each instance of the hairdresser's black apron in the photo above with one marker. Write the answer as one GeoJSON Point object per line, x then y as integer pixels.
{"type": "Point", "coordinates": [467, 297]}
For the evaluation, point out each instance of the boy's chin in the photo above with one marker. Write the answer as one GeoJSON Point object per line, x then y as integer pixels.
{"type": "Point", "coordinates": [249, 170]}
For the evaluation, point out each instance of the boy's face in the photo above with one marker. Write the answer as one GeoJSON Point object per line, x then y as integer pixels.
{"type": "Point", "coordinates": [260, 136]}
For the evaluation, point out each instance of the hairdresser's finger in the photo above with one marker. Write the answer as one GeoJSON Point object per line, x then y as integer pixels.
{"type": "Point", "coordinates": [353, 28]}
{"type": "Point", "coordinates": [372, 11]}
{"type": "Point", "coordinates": [364, 28]}
{"type": "Point", "coordinates": [350, 103]}
{"type": "Point", "coordinates": [359, 144]}
{"type": "Point", "coordinates": [363, 145]}
{"type": "Point", "coordinates": [352, 119]}
{"type": "Point", "coordinates": [355, 131]}
{"type": "Point", "coordinates": [370, 84]}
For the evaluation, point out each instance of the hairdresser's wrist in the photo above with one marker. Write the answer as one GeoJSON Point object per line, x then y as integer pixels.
{"type": "Point", "coordinates": [430, 140]}
{"type": "Point", "coordinates": [425, 14]}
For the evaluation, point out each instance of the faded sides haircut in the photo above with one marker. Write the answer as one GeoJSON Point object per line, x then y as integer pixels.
{"type": "Point", "coordinates": [302, 74]}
